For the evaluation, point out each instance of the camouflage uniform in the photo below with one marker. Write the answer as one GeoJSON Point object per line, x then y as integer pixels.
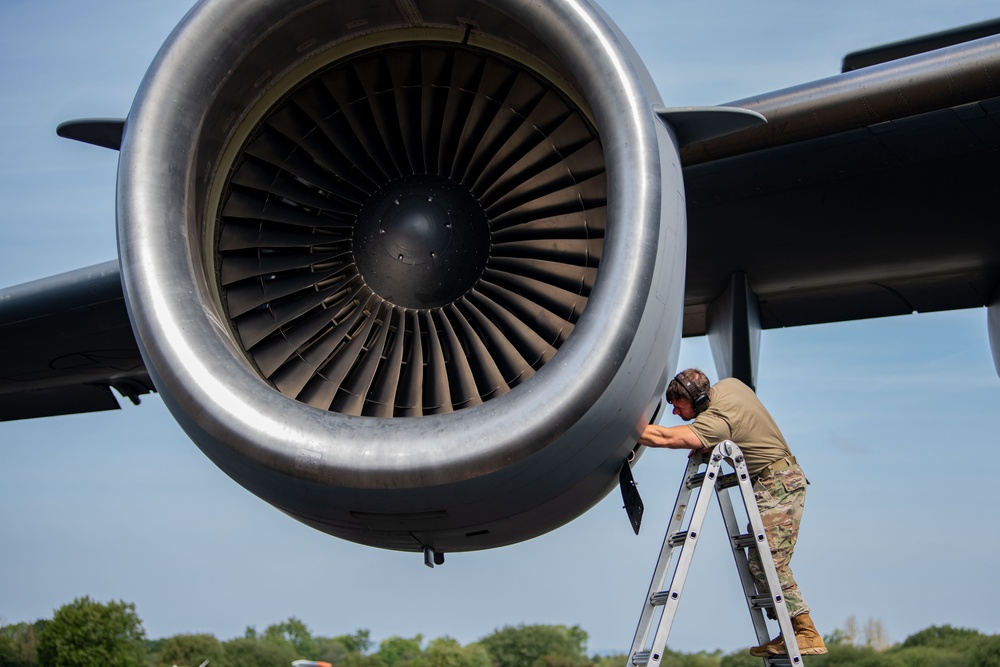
{"type": "Point", "coordinates": [780, 498]}
{"type": "Point", "coordinates": [735, 413]}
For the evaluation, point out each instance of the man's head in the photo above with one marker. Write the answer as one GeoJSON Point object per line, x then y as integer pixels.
{"type": "Point", "coordinates": [688, 392]}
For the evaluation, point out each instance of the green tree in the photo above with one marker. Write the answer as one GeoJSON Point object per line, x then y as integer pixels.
{"type": "Point", "coordinates": [153, 647]}
{"type": "Point", "coordinates": [331, 650]}
{"type": "Point", "coordinates": [348, 650]}
{"type": "Point", "coordinates": [446, 652]}
{"type": "Point", "coordinates": [537, 646]}
{"type": "Point", "coordinates": [191, 650]}
{"type": "Point", "coordinates": [942, 636]}
{"type": "Point", "coordinates": [248, 652]}
{"type": "Point", "coordinates": [294, 633]}
{"type": "Point", "coordinates": [700, 659]}
{"type": "Point", "coordinates": [615, 660]}
{"type": "Point", "coordinates": [847, 655]}
{"type": "Point", "coordinates": [19, 645]}
{"type": "Point", "coordinates": [359, 642]}
{"type": "Point", "coordinates": [85, 633]}
{"type": "Point", "coordinates": [930, 656]}
{"type": "Point", "coordinates": [985, 652]}
{"type": "Point", "coordinates": [945, 646]}
{"type": "Point", "coordinates": [740, 658]}
{"type": "Point", "coordinates": [400, 650]}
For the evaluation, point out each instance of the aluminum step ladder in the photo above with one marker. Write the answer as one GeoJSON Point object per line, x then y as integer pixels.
{"type": "Point", "coordinates": [681, 538]}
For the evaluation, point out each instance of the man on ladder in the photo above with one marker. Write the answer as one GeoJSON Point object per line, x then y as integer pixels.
{"type": "Point", "coordinates": [730, 410]}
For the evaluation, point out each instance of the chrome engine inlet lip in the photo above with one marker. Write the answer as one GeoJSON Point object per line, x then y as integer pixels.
{"type": "Point", "coordinates": [188, 348]}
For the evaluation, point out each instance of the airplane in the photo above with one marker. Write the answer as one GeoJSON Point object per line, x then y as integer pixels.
{"type": "Point", "coordinates": [417, 274]}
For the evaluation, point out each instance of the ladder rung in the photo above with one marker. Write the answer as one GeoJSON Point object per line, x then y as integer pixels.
{"type": "Point", "coordinates": [640, 657]}
{"type": "Point", "coordinates": [695, 480]}
{"type": "Point", "coordinates": [778, 661]}
{"type": "Point", "coordinates": [761, 601]}
{"type": "Point", "coordinates": [744, 541]}
{"type": "Point", "coordinates": [726, 481]}
{"type": "Point", "coordinates": [679, 538]}
{"type": "Point", "coordinates": [661, 598]}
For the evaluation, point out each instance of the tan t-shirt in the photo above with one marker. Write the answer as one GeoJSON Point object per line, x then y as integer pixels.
{"type": "Point", "coordinates": [735, 413]}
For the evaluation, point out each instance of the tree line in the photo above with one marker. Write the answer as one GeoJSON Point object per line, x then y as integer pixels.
{"type": "Point", "coordinates": [85, 633]}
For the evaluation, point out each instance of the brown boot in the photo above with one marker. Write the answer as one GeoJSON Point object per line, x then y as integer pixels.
{"type": "Point", "coordinates": [806, 636]}
{"type": "Point", "coordinates": [763, 650]}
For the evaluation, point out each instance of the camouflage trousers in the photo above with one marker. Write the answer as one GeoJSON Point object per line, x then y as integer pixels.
{"type": "Point", "coordinates": [780, 499]}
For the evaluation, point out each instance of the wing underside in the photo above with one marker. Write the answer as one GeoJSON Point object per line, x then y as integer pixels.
{"type": "Point", "coordinates": [869, 194]}
{"type": "Point", "coordinates": [67, 341]}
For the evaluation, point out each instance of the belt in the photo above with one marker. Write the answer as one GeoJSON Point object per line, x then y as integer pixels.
{"type": "Point", "coordinates": [772, 468]}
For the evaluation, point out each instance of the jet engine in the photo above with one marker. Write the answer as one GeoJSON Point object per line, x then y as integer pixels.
{"type": "Point", "coordinates": [409, 270]}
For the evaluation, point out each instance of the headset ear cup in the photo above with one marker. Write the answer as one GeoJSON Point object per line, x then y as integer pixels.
{"type": "Point", "coordinates": [699, 399]}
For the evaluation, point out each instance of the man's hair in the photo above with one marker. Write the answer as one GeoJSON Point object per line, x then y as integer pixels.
{"type": "Point", "coordinates": [676, 390]}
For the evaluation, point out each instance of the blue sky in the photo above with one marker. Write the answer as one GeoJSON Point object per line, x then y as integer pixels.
{"type": "Point", "coordinates": [892, 419]}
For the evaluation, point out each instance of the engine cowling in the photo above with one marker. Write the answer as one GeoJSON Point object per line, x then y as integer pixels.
{"type": "Point", "coordinates": [411, 271]}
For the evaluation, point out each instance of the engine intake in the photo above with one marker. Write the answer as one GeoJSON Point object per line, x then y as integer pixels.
{"type": "Point", "coordinates": [409, 271]}
{"type": "Point", "coordinates": [411, 231]}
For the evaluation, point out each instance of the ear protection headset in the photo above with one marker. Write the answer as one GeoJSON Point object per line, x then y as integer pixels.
{"type": "Point", "coordinates": [699, 399]}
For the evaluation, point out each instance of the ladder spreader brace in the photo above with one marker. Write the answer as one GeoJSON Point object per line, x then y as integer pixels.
{"type": "Point", "coordinates": [661, 602]}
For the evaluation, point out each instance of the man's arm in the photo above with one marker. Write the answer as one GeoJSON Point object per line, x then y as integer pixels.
{"type": "Point", "coordinates": [671, 437]}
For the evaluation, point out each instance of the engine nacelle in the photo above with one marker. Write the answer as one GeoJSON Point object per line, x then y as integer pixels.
{"type": "Point", "coordinates": [409, 270]}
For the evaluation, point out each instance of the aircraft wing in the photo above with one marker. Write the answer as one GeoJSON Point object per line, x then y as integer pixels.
{"type": "Point", "coordinates": [868, 194]}
{"type": "Point", "coordinates": [67, 341]}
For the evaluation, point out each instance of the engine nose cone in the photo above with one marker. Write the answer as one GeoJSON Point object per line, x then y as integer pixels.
{"type": "Point", "coordinates": [416, 229]}
{"type": "Point", "coordinates": [421, 241]}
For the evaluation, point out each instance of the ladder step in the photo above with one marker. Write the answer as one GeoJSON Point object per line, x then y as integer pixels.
{"type": "Point", "coordinates": [761, 601]}
{"type": "Point", "coordinates": [661, 598]}
{"type": "Point", "coordinates": [696, 480]}
{"type": "Point", "coordinates": [744, 541]}
{"type": "Point", "coordinates": [679, 538]}
{"type": "Point", "coordinates": [726, 481]}
{"type": "Point", "coordinates": [640, 658]}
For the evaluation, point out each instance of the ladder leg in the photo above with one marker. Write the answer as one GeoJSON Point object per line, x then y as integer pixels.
{"type": "Point", "coordinates": [661, 570]}
{"type": "Point", "coordinates": [756, 538]}
{"type": "Point", "coordinates": [665, 600]}
{"type": "Point", "coordinates": [741, 542]}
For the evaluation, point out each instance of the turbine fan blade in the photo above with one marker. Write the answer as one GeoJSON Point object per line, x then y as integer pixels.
{"type": "Point", "coordinates": [391, 159]}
